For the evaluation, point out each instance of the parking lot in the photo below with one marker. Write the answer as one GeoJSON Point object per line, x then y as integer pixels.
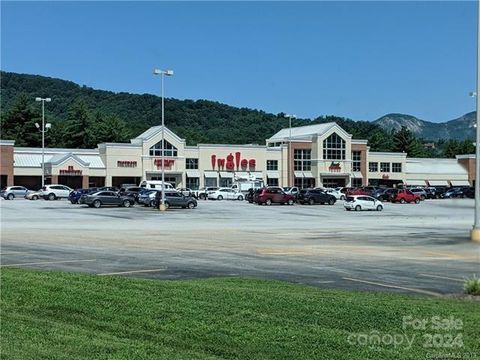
{"type": "Point", "coordinates": [422, 249]}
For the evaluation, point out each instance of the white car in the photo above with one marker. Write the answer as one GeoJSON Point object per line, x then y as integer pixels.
{"type": "Point", "coordinates": [362, 202]}
{"type": "Point", "coordinates": [337, 193]}
{"type": "Point", "coordinates": [53, 192]}
{"type": "Point", "coordinates": [225, 193]}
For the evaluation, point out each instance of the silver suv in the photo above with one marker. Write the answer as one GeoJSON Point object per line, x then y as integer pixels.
{"type": "Point", "coordinates": [53, 192]}
{"type": "Point", "coordinates": [12, 192]}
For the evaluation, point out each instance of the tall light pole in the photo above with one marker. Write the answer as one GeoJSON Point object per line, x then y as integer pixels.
{"type": "Point", "coordinates": [290, 117]}
{"type": "Point", "coordinates": [475, 234]}
{"type": "Point", "coordinates": [43, 130]}
{"type": "Point", "coordinates": [162, 74]}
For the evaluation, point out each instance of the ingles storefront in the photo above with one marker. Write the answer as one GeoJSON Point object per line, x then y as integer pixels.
{"type": "Point", "coordinates": [317, 155]}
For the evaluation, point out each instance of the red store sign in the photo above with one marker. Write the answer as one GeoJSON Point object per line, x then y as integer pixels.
{"type": "Point", "coordinates": [70, 171]}
{"type": "Point", "coordinates": [335, 167]}
{"type": "Point", "coordinates": [167, 163]}
{"type": "Point", "coordinates": [233, 162]}
{"type": "Point", "coordinates": [125, 163]}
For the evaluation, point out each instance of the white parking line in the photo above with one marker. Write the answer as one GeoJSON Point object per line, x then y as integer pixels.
{"type": "Point", "coordinates": [442, 277]}
{"type": "Point", "coordinates": [48, 262]}
{"type": "Point", "coordinates": [395, 287]}
{"type": "Point", "coordinates": [132, 272]}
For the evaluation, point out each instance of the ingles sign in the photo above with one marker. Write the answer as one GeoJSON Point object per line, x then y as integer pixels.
{"type": "Point", "coordinates": [124, 163]}
{"type": "Point", "coordinates": [70, 171]}
{"type": "Point", "coordinates": [335, 167]}
{"type": "Point", "coordinates": [167, 163]}
{"type": "Point", "coordinates": [233, 162]}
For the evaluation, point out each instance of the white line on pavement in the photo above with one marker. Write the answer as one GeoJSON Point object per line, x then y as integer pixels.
{"type": "Point", "coordinates": [395, 287]}
{"type": "Point", "coordinates": [49, 262]}
{"type": "Point", "coordinates": [442, 277]}
{"type": "Point", "coordinates": [132, 272]}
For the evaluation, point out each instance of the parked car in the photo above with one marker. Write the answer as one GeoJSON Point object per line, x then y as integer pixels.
{"type": "Point", "coordinates": [405, 196]}
{"type": "Point", "coordinates": [440, 191]}
{"type": "Point", "coordinates": [273, 195]}
{"type": "Point", "coordinates": [250, 196]}
{"type": "Point", "coordinates": [225, 193]}
{"type": "Point", "coordinates": [75, 195]}
{"type": "Point", "coordinates": [147, 198]}
{"type": "Point", "coordinates": [185, 191]}
{"type": "Point", "coordinates": [431, 193]}
{"type": "Point", "coordinates": [175, 199]}
{"type": "Point", "coordinates": [132, 191]}
{"type": "Point", "coordinates": [102, 198]}
{"type": "Point", "coordinates": [202, 193]}
{"type": "Point", "coordinates": [385, 194]}
{"type": "Point", "coordinates": [337, 193]}
{"type": "Point", "coordinates": [53, 192]}
{"type": "Point", "coordinates": [455, 192]}
{"type": "Point", "coordinates": [315, 196]}
{"type": "Point", "coordinates": [33, 195]}
{"type": "Point", "coordinates": [293, 190]}
{"type": "Point", "coordinates": [420, 192]}
{"type": "Point", "coordinates": [470, 192]}
{"type": "Point", "coordinates": [357, 191]}
{"type": "Point", "coordinates": [156, 184]}
{"type": "Point", "coordinates": [11, 192]}
{"type": "Point", "coordinates": [362, 202]}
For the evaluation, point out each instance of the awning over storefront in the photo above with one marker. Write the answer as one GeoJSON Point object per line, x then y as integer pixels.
{"type": "Point", "coordinates": [437, 183]}
{"type": "Point", "coordinates": [298, 174]}
{"type": "Point", "coordinates": [460, 183]}
{"type": "Point", "coordinates": [210, 174]}
{"type": "Point", "coordinates": [357, 175]}
{"type": "Point", "coordinates": [193, 174]}
{"type": "Point", "coordinates": [242, 175]}
{"type": "Point", "coordinates": [226, 175]}
{"type": "Point", "coordinates": [416, 182]}
{"type": "Point", "coordinates": [307, 174]}
{"type": "Point", "coordinates": [256, 174]}
{"type": "Point", "coordinates": [273, 174]}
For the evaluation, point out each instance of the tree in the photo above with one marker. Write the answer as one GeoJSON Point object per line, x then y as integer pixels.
{"type": "Point", "coordinates": [76, 131]}
{"type": "Point", "coordinates": [108, 128]}
{"type": "Point", "coordinates": [19, 122]}
{"type": "Point", "coordinates": [405, 141]}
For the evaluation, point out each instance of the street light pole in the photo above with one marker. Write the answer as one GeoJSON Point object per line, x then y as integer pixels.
{"type": "Point", "coordinates": [475, 234]}
{"type": "Point", "coordinates": [290, 117]}
{"type": "Point", "coordinates": [43, 130]}
{"type": "Point", "coordinates": [162, 74]}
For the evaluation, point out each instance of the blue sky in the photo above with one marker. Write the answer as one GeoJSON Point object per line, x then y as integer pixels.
{"type": "Point", "coordinates": [355, 59]}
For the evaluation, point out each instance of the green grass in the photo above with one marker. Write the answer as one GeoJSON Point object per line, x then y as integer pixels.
{"type": "Point", "coordinates": [53, 315]}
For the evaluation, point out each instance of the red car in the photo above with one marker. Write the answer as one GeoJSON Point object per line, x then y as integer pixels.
{"type": "Point", "coordinates": [273, 195]}
{"type": "Point", "coordinates": [405, 196]}
{"type": "Point", "coordinates": [357, 191]}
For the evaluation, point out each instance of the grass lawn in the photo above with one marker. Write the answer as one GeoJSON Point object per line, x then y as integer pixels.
{"type": "Point", "coordinates": [53, 315]}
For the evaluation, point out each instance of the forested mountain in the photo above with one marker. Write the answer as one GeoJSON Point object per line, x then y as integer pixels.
{"type": "Point", "coordinates": [457, 129]}
{"type": "Point", "coordinates": [198, 121]}
{"type": "Point", "coordinates": [83, 117]}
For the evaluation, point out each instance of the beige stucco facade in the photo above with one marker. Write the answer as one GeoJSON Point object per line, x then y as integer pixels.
{"type": "Point", "coordinates": [322, 155]}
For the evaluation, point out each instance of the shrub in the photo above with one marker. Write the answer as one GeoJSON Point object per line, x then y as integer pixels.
{"type": "Point", "coordinates": [472, 286]}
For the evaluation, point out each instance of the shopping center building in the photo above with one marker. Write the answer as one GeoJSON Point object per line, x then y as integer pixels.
{"type": "Point", "coordinates": [322, 155]}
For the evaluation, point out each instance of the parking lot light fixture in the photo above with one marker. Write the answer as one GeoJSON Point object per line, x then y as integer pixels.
{"type": "Point", "coordinates": [162, 74]}
{"type": "Point", "coordinates": [43, 130]}
{"type": "Point", "coordinates": [290, 117]}
{"type": "Point", "coordinates": [475, 233]}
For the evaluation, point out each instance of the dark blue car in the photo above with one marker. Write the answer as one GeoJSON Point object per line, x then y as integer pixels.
{"type": "Point", "coordinates": [75, 195]}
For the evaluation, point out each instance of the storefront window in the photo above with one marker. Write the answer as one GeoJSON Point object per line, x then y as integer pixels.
{"type": "Point", "coordinates": [302, 160]}
{"type": "Point", "coordinates": [193, 183]}
{"type": "Point", "coordinates": [384, 167]}
{"type": "Point", "coordinates": [225, 182]}
{"type": "Point", "coordinates": [170, 150]}
{"type": "Point", "coordinates": [373, 167]}
{"type": "Point", "coordinates": [272, 165]}
{"type": "Point", "coordinates": [356, 160]}
{"type": "Point", "coordinates": [304, 183]}
{"type": "Point", "coordinates": [396, 167]}
{"type": "Point", "coordinates": [272, 182]}
{"type": "Point", "coordinates": [210, 182]}
{"type": "Point", "coordinates": [334, 148]}
{"type": "Point", "coordinates": [191, 164]}
{"type": "Point", "coordinates": [356, 182]}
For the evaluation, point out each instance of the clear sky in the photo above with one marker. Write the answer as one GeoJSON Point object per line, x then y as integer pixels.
{"type": "Point", "coordinates": [355, 59]}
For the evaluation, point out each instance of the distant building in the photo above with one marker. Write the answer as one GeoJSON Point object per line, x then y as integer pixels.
{"type": "Point", "coordinates": [317, 155]}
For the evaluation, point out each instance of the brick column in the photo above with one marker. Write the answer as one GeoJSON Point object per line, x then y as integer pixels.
{"type": "Point", "coordinates": [54, 179]}
{"type": "Point", "coordinates": [85, 181]}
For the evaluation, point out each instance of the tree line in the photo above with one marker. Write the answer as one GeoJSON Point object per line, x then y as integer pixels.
{"type": "Point", "coordinates": [82, 117]}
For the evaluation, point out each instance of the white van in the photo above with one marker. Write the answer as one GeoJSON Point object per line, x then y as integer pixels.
{"type": "Point", "coordinates": [155, 184]}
